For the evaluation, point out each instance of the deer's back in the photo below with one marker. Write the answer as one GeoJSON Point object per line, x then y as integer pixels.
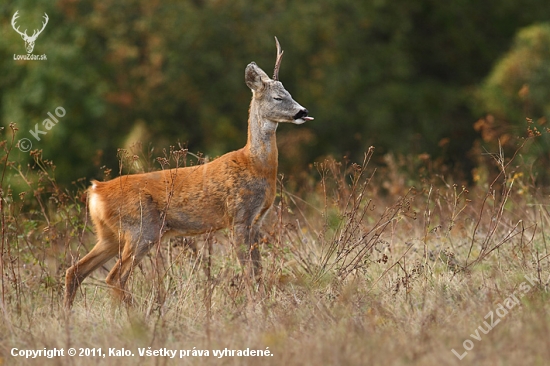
{"type": "Point", "coordinates": [189, 200]}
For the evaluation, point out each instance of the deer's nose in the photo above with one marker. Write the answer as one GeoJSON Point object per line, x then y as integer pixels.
{"type": "Point", "coordinates": [303, 113]}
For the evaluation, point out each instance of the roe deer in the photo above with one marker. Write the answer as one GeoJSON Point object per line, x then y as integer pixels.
{"type": "Point", "coordinates": [133, 212]}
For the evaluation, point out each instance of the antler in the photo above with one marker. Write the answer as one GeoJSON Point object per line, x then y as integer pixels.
{"type": "Point", "coordinates": [24, 34]}
{"type": "Point", "coordinates": [278, 61]}
{"type": "Point", "coordinates": [15, 16]}
{"type": "Point", "coordinates": [43, 26]}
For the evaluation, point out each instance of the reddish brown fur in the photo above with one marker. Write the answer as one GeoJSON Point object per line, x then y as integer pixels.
{"type": "Point", "coordinates": [131, 213]}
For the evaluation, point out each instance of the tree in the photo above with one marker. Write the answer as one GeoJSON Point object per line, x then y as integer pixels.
{"type": "Point", "coordinates": [400, 76]}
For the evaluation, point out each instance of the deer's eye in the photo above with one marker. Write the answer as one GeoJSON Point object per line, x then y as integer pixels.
{"type": "Point", "coordinates": [278, 99]}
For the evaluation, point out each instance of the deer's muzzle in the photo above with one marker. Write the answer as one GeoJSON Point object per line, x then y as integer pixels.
{"type": "Point", "coordinates": [302, 117]}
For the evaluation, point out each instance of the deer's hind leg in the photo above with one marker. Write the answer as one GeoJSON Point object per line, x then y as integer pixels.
{"type": "Point", "coordinates": [106, 248]}
{"type": "Point", "coordinates": [138, 243]}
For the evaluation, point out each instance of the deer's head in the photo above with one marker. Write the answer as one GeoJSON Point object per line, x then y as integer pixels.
{"type": "Point", "coordinates": [29, 40]}
{"type": "Point", "coordinates": [273, 101]}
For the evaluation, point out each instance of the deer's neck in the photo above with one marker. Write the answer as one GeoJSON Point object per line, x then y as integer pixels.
{"type": "Point", "coordinates": [261, 144]}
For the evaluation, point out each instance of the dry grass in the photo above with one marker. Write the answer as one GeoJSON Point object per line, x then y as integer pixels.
{"type": "Point", "coordinates": [359, 268]}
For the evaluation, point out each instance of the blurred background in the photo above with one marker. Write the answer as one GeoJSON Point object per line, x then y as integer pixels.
{"type": "Point", "coordinates": [421, 80]}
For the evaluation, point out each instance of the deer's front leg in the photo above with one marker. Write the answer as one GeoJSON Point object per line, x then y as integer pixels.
{"type": "Point", "coordinates": [247, 241]}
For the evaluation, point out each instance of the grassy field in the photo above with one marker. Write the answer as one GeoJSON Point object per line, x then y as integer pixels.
{"type": "Point", "coordinates": [395, 266]}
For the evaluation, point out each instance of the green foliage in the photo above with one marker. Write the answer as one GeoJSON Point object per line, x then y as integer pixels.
{"type": "Point", "coordinates": [398, 75]}
{"type": "Point", "coordinates": [518, 85]}
{"type": "Point", "coordinates": [516, 89]}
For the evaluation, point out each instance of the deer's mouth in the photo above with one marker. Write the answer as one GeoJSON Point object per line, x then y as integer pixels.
{"type": "Point", "coordinates": [302, 117]}
{"type": "Point", "coordinates": [299, 121]}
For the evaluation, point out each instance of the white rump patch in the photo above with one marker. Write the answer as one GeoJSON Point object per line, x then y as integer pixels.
{"type": "Point", "coordinates": [95, 204]}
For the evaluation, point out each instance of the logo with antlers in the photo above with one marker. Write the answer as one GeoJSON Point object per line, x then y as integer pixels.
{"type": "Point", "coordinates": [29, 40]}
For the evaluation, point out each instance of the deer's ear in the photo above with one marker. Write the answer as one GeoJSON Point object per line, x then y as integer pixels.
{"type": "Point", "coordinates": [255, 77]}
